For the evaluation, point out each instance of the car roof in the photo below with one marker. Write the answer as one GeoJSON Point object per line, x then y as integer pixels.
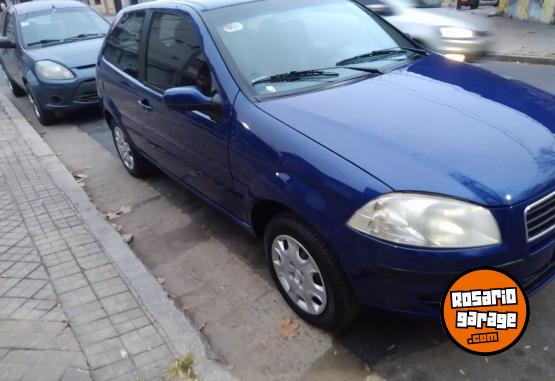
{"type": "Point", "coordinates": [37, 6]}
{"type": "Point", "coordinates": [200, 5]}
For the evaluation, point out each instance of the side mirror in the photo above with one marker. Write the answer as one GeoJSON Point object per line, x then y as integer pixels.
{"type": "Point", "coordinates": [381, 9]}
{"type": "Point", "coordinates": [187, 98]}
{"type": "Point", "coordinates": [5, 43]}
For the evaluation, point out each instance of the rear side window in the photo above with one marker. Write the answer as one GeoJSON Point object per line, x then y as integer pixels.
{"type": "Point", "coordinates": [174, 57]}
{"type": "Point", "coordinates": [122, 45]}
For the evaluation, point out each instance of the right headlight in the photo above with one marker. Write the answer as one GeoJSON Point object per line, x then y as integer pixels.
{"type": "Point", "coordinates": [454, 32]}
{"type": "Point", "coordinates": [426, 221]}
{"type": "Point", "coordinates": [53, 70]}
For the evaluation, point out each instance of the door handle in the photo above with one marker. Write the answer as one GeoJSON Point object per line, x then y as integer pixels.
{"type": "Point", "coordinates": [144, 105]}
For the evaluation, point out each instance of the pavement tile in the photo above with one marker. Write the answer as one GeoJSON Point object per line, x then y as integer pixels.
{"type": "Point", "coordinates": [123, 368]}
{"type": "Point", "coordinates": [141, 340]}
{"type": "Point", "coordinates": [118, 303]}
{"type": "Point", "coordinates": [70, 283]}
{"type": "Point", "coordinates": [44, 373]}
{"type": "Point", "coordinates": [65, 311]}
{"type": "Point", "coordinates": [76, 374]}
{"type": "Point", "coordinates": [101, 273]}
{"type": "Point", "coordinates": [12, 372]}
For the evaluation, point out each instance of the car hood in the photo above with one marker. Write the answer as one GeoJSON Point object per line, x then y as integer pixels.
{"type": "Point", "coordinates": [72, 54]}
{"type": "Point", "coordinates": [436, 126]}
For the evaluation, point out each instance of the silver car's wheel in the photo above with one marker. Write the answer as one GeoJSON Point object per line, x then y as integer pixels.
{"type": "Point", "coordinates": [299, 275]}
{"type": "Point", "coordinates": [34, 105]}
{"type": "Point", "coordinates": [124, 149]}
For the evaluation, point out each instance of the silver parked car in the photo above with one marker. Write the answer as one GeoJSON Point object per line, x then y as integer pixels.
{"type": "Point", "coordinates": [443, 30]}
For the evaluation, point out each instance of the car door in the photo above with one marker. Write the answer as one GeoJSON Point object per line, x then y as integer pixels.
{"type": "Point", "coordinates": [121, 63]}
{"type": "Point", "coordinates": [191, 145]}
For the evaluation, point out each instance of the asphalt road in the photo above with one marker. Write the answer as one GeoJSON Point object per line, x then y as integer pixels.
{"type": "Point", "coordinates": [216, 272]}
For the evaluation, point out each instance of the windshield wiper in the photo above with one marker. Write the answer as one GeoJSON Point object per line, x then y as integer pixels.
{"type": "Point", "coordinates": [85, 35]}
{"type": "Point", "coordinates": [42, 42]}
{"type": "Point", "coordinates": [294, 76]}
{"type": "Point", "coordinates": [381, 52]}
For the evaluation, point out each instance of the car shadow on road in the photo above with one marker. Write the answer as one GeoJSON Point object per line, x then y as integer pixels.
{"type": "Point", "coordinates": [377, 335]}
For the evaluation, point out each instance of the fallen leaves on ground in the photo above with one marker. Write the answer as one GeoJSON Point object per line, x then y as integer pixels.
{"type": "Point", "coordinates": [125, 210]}
{"type": "Point", "coordinates": [127, 237]}
{"type": "Point", "coordinates": [230, 366]}
{"type": "Point", "coordinates": [161, 280]}
{"type": "Point", "coordinates": [117, 227]}
{"type": "Point", "coordinates": [462, 372]}
{"type": "Point", "coordinates": [289, 328]}
{"type": "Point", "coordinates": [110, 216]}
{"type": "Point", "coordinates": [2, 275]}
{"type": "Point", "coordinates": [185, 307]}
{"type": "Point", "coordinates": [80, 178]}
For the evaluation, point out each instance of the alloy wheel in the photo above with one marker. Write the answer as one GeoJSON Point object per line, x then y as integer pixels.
{"type": "Point", "coordinates": [35, 107]}
{"type": "Point", "coordinates": [299, 275]}
{"type": "Point", "coordinates": [123, 148]}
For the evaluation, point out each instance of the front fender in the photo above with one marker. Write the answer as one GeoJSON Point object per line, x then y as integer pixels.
{"type": "Point", "coordinates": [273, 162]}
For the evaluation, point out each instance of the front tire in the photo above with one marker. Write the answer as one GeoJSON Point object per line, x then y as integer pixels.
{"type": "Point", "coordinates": [135, 164]}
{"type": "Point", "coordinates": [308, 274]}
{"type": "Point", "coordinates": [46, 118]}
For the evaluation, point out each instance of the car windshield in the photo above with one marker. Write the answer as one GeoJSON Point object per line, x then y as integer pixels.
{"type": "Point", "coordinates": [288, 46]}
{"type": "Point", "coordinates": [57, 26]}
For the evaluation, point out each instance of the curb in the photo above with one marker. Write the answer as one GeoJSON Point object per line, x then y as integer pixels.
{"type": "Point", "coordinates": [178, 331]}
{"type": "Point", "coordinates": [535, 60]}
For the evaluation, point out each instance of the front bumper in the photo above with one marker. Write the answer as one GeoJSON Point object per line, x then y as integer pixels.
{"type": "Point", "coordinates": [67, 95]}
{"type": "Point", "coordinates": [471, 47]}
{"type": "Point", "coordinates": [413, 280]}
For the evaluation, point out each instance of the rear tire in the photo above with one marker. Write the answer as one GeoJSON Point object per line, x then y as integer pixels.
{"type": "Point", "coordinates": [135, 164]}
{"type": "Point", "coordinates": [46, 118]}
{"type": "Point", "coordinates": [14, 87]}
{"type": "Point", "coordinates": [308, 274]}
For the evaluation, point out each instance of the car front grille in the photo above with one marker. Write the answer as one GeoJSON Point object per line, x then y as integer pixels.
{"type": "Point", "coordinates": [91, 96]}
{"type": "Point", "coordinates": [540, 218]}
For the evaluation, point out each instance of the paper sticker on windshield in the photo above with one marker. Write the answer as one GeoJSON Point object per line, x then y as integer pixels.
{"type": "Point", "coordinates": [233, 27]}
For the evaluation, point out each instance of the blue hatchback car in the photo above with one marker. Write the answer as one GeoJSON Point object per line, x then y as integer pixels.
{"type": "Point", "coordinates": [375, 171]}
{"type": "Point", "coordinates": [48, 51]}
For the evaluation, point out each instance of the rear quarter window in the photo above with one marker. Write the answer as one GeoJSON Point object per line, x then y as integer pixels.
{"type": "Point", "coordinates": [122, 45]}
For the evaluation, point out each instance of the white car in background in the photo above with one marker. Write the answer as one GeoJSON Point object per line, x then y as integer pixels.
{"type": "Point", "coordinates": [443, 30]}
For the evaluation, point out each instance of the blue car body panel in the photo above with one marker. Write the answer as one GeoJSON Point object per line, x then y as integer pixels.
{"type": "Point", "coordinates": [432, 126]}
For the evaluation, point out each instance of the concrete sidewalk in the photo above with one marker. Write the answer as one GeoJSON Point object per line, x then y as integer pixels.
{"type": "Point", "coordinates": [517, 40]}
{"type": "Point", "coordinates": [75, 302]}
